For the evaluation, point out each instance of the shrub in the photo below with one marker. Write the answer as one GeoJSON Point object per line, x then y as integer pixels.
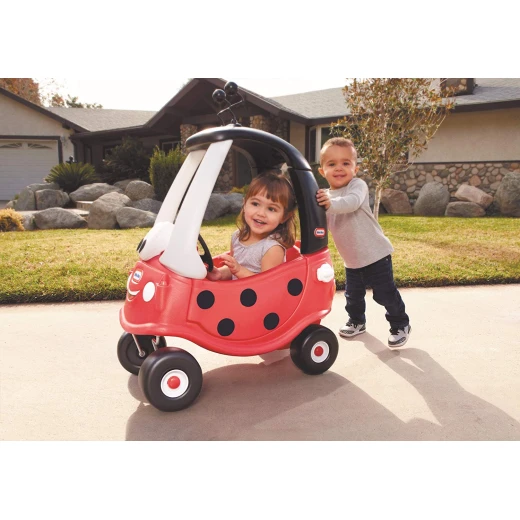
{"type": "Point", "coordinates": [322, 183]}
{"type": "Point", "coordinates": [129, 160]}
{"type": "Point", "coordinates": [164, 168]}
{"type": "Point", "coordinates": [70, 176]}
{"type": "Point", "coordinates": [242, 190]}
{"type": "Point", "coordinates": [10, 220]}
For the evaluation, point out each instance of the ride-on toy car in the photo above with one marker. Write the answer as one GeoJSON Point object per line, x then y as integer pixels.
{"type": "Point", "coordinates": [168, 293]}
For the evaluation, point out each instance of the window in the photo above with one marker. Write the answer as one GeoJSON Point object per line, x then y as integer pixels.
{"type": "Point", "coordinates": [106, 150]}
{"type": "Point", "coordinates": [36, 146]}
{"type": "Point", "coordinates": [166, 146]}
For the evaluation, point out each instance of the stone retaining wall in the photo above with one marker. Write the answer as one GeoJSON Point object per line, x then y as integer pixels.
{"type": "Point", "coordinates": [483, 175]}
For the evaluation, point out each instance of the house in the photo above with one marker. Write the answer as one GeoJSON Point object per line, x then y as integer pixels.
{"type": "Point", "coordinates": [477, 144]}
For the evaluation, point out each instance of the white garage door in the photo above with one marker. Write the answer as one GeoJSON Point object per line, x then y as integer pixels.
{"type": "Point", "coordinates": [23, 163]}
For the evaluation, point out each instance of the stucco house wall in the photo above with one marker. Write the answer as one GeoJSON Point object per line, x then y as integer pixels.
{"type": "Point", "coordinates": [297, 133]}
{"type": "Point", "coordinates": [491, 135]}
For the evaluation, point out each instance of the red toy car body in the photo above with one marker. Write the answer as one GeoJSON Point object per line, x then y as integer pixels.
{"type": "Point", "coordinates": [168, 293]}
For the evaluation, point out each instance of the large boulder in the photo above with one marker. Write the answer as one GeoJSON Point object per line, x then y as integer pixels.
{"type": "Point", "coordinates": [28, 221]}
{"type": "Point", "coordinates": [50, 199]}
{"type": "Point", "coordinates": [93, 191]}
{"type": "Point", "coordinates": [124, 184]}
{"type": "Point", "coordinates": [44, 186]}
{"type": "Point", "coordinates": [467, 193]}
{"type": "Point", "coordinates": [432, 201]}
{"type": "Point", "coordinates": [128, 218]}
{"type": "Point", "coordinates": [507, 195]}
{"type": "Point", "coordinates": [464, 209]}
{"type": "Point", "coordinates": [396, 202]}
{"type": "Point", "coordinates": [218, 205]}
{"type": "Point", "coordinates": [26, 200]}
{"type": "Point", "coordinates": [147, 205]}
{"type": "Point", "coordinates": [236, 201]}
{"type": "Point", "coordinates": [103, 211]}
{"type": "Point", "coordinates": [58, 218]}
{"type": "Point", "coordinates": [137, 190]}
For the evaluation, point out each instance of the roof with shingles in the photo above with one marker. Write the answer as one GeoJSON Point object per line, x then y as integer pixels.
{"type": "Point", "coordinates": [95, 119]}
{"type": "Point", "coordinates": [331, 102]}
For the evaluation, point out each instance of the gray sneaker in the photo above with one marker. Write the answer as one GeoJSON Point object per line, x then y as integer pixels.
{"type": "Point", "coordinates": [352, 329]}
{"type": "Point", "coordinates": [398, 337]}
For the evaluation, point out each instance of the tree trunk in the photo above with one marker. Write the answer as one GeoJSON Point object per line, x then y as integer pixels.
{"type": "Point", "coordinates": [377, 200]}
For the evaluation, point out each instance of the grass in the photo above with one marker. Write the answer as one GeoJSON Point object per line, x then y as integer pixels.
{"type": "Point", "coordinates": [83, 265]}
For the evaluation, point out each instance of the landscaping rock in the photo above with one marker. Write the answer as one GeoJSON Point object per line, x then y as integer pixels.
{"type": "Point", "coordinates": [469, 193]}
{"type": "Point", "coordinates": [507, 195]}
{"type": "Point", "coordinates": [147, 205]}
{"type": "Point", "coordinates": [465, 209]}
{"type": "Point", "coordinates": [218, 206]}
{"type": "Point", "coordinates": [128, 218]}
{"type": "Point", "coordinates": [10, 205]}
{"type": "Point", "coordinates": [26, 201]}
{"type": "Point", "coordinates": [58, 218]}
{"type": "Point", "coordinates": [236, 201]}
{"type": "Point", "coordinates": [44, 186]}
{"type": "Point", "coordinates": [28, 222]}
{"type": "Point", "coordinates": [137, 190]}
{"type": "Point", "coordinates": [396, 202]}
{"type": "Point", "coordinates": [432, 201]}
{"type": "Point", "coordinates": [50, 199]}
{"type": "Point", "coordinates": [93, 191]}
{"type": "Point", "coordinates": [124, 184]}
{"type": "Point", "coordinates": [103, 211]}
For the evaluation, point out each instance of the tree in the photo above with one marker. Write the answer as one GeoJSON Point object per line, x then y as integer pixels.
{"type": "Point", "coordinates": [43, 94]}
{"type": "Point", "coordinates": [391, 121]}
{"type": "Point", "coordinates": [26, 88]}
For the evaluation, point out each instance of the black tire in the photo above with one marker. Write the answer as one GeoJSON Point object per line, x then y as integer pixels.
{"type": "Point", "coordinates": [166, 365]}
{"type": "Point", "coordinates": [128, 354]}
{"type": "Point", "coordinates": [314, 350]}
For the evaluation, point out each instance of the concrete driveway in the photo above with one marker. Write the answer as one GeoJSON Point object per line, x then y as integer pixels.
{"type": "Point", "coordinates": [459, 378]}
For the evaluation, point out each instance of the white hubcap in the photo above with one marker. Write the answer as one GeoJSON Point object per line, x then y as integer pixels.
{"type": "Point", "coordinates": [320, 352]}
{"type": "Point", "coordinates": [174, 383]}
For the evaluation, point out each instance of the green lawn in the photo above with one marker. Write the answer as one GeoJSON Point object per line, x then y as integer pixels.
{"type": "Point", "coordinates": [81, 265]}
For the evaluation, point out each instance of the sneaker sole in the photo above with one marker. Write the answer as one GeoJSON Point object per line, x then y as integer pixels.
{"type": "Point", "coordinates": [347, 336]}
{"type": "Point", "coordinates": [400, 345]}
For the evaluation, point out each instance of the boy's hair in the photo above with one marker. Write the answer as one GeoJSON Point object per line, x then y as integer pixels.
{"type": "Point", "coordinates": [278, 189]}
{"type": "Point", "coordinates": [337, 141]}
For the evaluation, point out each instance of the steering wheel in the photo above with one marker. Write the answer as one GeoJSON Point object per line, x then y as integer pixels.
{"type": "Point", "coordinates": [206, 257]}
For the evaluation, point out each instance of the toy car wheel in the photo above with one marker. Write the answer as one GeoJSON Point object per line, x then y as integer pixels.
{"type": "Point", "coordinates": [171, 379]}
{"type": "Point", "coordinates": [314, 350]}
{"type": "Point", "coordinates": [128, 353]}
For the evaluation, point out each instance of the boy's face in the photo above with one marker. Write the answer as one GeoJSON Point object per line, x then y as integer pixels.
{"type": "Point", "coordinates": [338, 166]}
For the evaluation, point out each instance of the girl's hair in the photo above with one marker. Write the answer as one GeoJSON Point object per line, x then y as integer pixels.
{"type": "Point", "coordinates": [277, 188]}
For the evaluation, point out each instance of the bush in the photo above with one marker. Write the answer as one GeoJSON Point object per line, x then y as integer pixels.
{"type": "Point", "coordinates": [322, 183]}
{"type": "Point", "coordinates": [70, 176]}
{"type": "Point", "coordinates": [10, 220]}
{"type": "Point", "coordinates": [164, 168]}
{"type": "Point", "coordinates": [129, 160]}
{"type": "Point", "coordinates": [242, 190]}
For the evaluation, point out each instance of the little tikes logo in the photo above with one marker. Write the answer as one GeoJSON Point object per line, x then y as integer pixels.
{"type": "Point", "coordinates": [319, 232]}
{"type": "Point", "coordinates": [136, 277]}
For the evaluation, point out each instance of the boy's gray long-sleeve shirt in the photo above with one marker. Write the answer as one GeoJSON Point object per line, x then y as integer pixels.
{"type": "Point", "coordinates": [357, 234]}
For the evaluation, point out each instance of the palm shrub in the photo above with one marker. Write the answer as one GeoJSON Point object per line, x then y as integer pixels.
{"type": "Point", "coordinates": [10, 220]}
{"type": "Point", "coordinates": [129, 160]}
{"type": "Point", "coordinates": [164, 168]}
{"type": "Point", "coordinates": [70, 176]}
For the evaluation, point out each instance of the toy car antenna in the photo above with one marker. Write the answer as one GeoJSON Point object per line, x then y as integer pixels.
{"type": "Point", "coordinates": [224, 96]}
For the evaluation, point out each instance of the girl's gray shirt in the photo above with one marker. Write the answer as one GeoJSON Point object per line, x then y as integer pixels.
{"type": "Point", "coordinates": [357, 234]}
{"type": "Point", "coordinates": [251, 256]}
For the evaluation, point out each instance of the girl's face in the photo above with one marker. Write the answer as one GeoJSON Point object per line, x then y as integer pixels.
{"type": "Point", "coordinates": [262, 215]}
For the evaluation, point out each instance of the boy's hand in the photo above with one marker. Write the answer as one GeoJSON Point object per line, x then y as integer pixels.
{"type": "Point", "coordinates": [214, 275]}
{"type": "Point", "coordinates": [232, 264]}
{"type": "Point", "coordinates": [322, 196]}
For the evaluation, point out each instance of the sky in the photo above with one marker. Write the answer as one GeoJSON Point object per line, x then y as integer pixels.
{"type": "Point", "coordinates": [153, 94]}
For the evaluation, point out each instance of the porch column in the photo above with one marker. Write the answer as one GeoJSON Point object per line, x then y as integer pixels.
{"type": "Point", "coordinates": [187, 131]}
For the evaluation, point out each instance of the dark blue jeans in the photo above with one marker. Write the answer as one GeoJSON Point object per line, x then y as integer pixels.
{"type": "Point", "coordinates": [380, 277]}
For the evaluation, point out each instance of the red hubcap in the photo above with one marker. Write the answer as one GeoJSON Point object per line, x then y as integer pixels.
{"type": "Point", "coordinates": [318, 351]}
{"type": "Point", "coordinates": [174, 382]}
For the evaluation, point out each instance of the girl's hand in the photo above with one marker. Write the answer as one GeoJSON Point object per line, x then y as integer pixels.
{"type": "Point", "coordinates": [232, 264]}
{"type": "Point", "coordinates": [322, 196]}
